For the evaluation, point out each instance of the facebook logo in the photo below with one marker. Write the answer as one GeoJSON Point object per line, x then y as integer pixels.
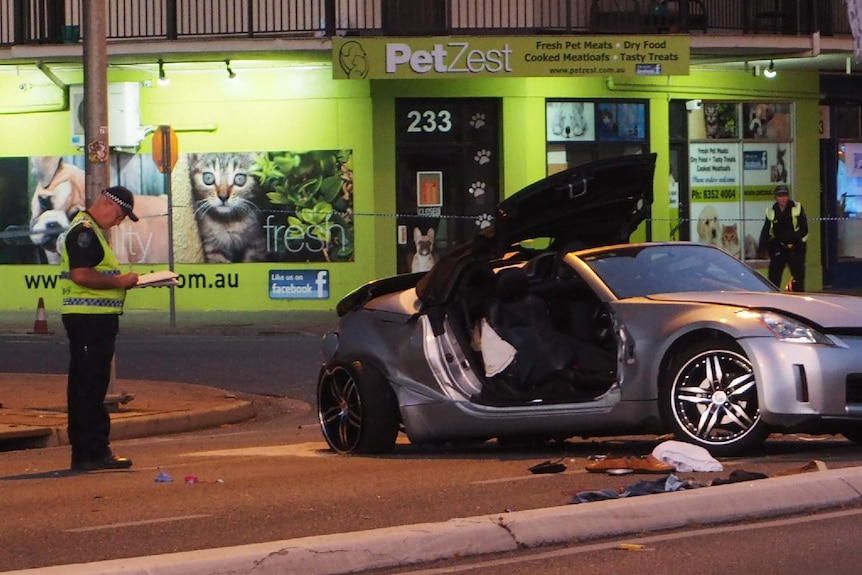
{"type": "Point", "coordinates": [298, 284]}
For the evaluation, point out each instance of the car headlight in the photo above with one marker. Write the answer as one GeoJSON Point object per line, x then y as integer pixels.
{"type": "Point", "coordinates": [786, 329]}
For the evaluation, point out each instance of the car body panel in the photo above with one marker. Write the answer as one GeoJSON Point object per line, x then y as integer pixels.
{"type": "Point", "coordinates": [823, 311]}
{"type": "Point", "coordinates": [594, 205]}
{"type": "Point", "coordinates": [598, 204]}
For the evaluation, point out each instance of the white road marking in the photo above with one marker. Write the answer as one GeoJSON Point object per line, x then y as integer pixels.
{"type": "Point", "coordinates": [134, 523]}
{"type": "Point", "coordinates": [315, 449]}
{"type": "Point", "coordinates": [524, 477]}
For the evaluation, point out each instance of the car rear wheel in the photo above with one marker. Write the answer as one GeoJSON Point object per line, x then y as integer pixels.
{"type": "Point", "coordinates": [357, 409]}
{"type": "Point", "coordinates": [709, 398]}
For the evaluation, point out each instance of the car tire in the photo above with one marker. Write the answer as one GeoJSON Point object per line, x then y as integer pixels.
{"type": "Point", "coordinates": [357, 409]}
{"type": "Point", "coordinates": [709, 398]}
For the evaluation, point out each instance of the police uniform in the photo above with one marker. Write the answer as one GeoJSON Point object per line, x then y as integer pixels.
{"type": "Point", "coordinates": [784, 235]}
{"type": "Point", "coordinates": [91, 319]}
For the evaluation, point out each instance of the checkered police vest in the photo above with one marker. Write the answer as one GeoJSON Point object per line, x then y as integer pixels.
{"type": "Point", "coordinates": [80, 299]}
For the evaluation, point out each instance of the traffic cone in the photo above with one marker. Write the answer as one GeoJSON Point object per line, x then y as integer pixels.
{"type": "Point", "coordinates": [40, 326]}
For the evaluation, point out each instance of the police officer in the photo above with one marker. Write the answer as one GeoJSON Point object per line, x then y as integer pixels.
{"type": "Point", "coordinates": [93, 291]}
{"type": "Point", "coordinates": [784, 234]}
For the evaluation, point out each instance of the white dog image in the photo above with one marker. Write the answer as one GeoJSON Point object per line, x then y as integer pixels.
{"type": "Point", "coordinates": [60, 194]}
{"type": "Point", "coordinates": [423, 259]}
{"type": "Point", "coordinates": [568, 121]}
{"type": "Point", "coordinates": [708, 226]}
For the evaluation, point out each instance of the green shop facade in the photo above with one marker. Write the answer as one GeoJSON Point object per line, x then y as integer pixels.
{"type": "Point", "coordinates": [376, 157]}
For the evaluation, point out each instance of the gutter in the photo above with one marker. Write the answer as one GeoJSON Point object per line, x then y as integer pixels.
{"type": "Point", "coordinates": [60, 106]}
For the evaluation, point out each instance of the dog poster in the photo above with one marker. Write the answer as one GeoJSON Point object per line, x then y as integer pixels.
{"type": "Point", "coordinates": [622, 122]}
{"type": "Point", "coordinates": [766, 121]}
{"type": "Point", "coordinates": [570, 121]}
{"type": "Point", "coordinates": [718, 224]}
{"type": "Point", "coordinates": [39, 197]}
{"type": "Point", "coordinates": [767, 164]}
{"type": "Point", "coordinates": [424, 257]}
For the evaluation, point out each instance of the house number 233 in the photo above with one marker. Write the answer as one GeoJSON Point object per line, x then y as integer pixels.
{"type": "Point", "coordinates": [429, 121]}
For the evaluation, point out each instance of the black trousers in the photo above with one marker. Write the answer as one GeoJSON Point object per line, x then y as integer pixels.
{"type": "Point", "coordinates": [792, 258]}
{"type": "Point", "coordinates": [91, 347]}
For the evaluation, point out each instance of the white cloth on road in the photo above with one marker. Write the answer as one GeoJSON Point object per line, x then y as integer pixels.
{"type": "Point", "coordinates": [686, 457]}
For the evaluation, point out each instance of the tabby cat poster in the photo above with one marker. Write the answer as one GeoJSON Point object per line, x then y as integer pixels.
{"type": "Point", "coordinates": [227, 207]}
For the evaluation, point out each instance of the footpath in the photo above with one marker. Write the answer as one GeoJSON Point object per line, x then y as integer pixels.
{"type": "Point", "coordinates": [33, 415]}
{"type": "Point", "coordinates": [33, 406]}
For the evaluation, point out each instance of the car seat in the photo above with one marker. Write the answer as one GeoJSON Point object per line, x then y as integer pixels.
{"type": "Point", "coordinates": [523, 320]}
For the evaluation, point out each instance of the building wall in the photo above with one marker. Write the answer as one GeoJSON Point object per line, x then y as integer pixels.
{"type": "Point", "coordinates": [282, 107]}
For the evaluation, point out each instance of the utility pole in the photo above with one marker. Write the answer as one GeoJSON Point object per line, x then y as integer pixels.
{"type": "Point", "coordinates": [96, 145]}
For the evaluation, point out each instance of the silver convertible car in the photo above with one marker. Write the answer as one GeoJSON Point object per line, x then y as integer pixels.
{"type": "Point", "coordinates": [550, 325]}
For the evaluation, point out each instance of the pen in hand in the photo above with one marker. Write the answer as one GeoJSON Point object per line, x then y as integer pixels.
{"type": "Point", "coordinates": [132, 272]}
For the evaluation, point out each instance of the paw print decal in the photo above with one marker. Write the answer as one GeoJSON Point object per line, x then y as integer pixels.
{"type": "Point", "coordinates": [478, 120]}
{"type": "Point", "coordinates": [477, 189]}
{"type": "Point", "coordinates": [482, 157]}
{"type": "Point", "coordinates": [483, 221]}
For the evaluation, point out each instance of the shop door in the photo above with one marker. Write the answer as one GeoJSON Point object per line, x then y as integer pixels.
{"type": "Point", "coordinates": [447, 175]}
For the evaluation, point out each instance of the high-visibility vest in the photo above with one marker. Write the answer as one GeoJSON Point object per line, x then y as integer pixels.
{"type": "Point", "coordinates": [80, 299]}
{"type": "Point", "coordinates": [795, 211]}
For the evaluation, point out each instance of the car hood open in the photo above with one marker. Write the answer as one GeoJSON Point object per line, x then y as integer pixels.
{"type": "Point", "coordinates": [824, 311]}
{"type": "Point", "coordinates": [596, 204]}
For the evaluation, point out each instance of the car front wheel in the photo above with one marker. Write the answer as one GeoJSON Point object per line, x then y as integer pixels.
{"type": "Point", "coordinates": [357, 409]}
{"type": "Point", "coordinates": [710, 399]}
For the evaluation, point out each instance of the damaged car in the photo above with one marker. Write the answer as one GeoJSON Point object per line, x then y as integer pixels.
{"type": "Point", "coordinates": [549, 325]}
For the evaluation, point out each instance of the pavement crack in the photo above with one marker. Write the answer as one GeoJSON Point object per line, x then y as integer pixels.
{"type": "Point", "coordinates": [501, 522]}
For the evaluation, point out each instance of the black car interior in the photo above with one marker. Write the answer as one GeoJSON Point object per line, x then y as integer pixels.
{"type": "Point", "coordinates": [552, 323]}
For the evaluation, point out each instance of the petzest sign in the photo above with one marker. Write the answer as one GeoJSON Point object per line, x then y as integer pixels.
{"type": "Point", "coordinates": [451, 58]}
{"type": "Point", "coordinates": [518, 56]}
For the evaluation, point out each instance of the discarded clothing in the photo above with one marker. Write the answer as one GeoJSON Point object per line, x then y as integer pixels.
{"type": "Point", "coordinates": [738, 475]}
{"type": "Point", "coordinates": [664, 485]}
{"type": "Point", "coordinates": [645, 464]}
{"type": "Point", "coordinates": [548, 467]}
{"type": "Point", "coordinates": [686, 457]}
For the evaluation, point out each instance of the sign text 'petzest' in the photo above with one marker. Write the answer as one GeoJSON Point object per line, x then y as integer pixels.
{"type": "Point", "coordinates": [518, 56]}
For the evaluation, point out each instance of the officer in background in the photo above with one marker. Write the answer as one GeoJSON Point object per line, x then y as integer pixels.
{"type": "Point", "coordinates": [783, 236]}
{"type": "Point", "coordinates": [93, 291]}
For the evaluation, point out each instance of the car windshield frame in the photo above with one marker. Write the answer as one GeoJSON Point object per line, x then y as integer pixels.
{"type": "Point", "coordinates": [650, 269]}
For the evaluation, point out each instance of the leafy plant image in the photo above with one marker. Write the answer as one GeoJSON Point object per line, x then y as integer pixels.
{"type": "Point", "coordinates": [311, 194]}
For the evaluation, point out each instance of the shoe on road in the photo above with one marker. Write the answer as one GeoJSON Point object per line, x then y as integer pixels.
{"type": "Point", "coordinates": [107, 462]}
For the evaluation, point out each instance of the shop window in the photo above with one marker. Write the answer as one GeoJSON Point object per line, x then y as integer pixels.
{"type": "Point", "coordinates": [738, 153]}
{"type": "Point", "coordinates": [678, 121]}
{"type": "Point", "coordinates": [581, 131]}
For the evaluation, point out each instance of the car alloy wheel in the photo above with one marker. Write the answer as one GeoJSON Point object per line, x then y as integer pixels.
{"type": "Point", "coordinates": [712, 399]}
{"type": "Point", "coordinates": [357, 409]}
